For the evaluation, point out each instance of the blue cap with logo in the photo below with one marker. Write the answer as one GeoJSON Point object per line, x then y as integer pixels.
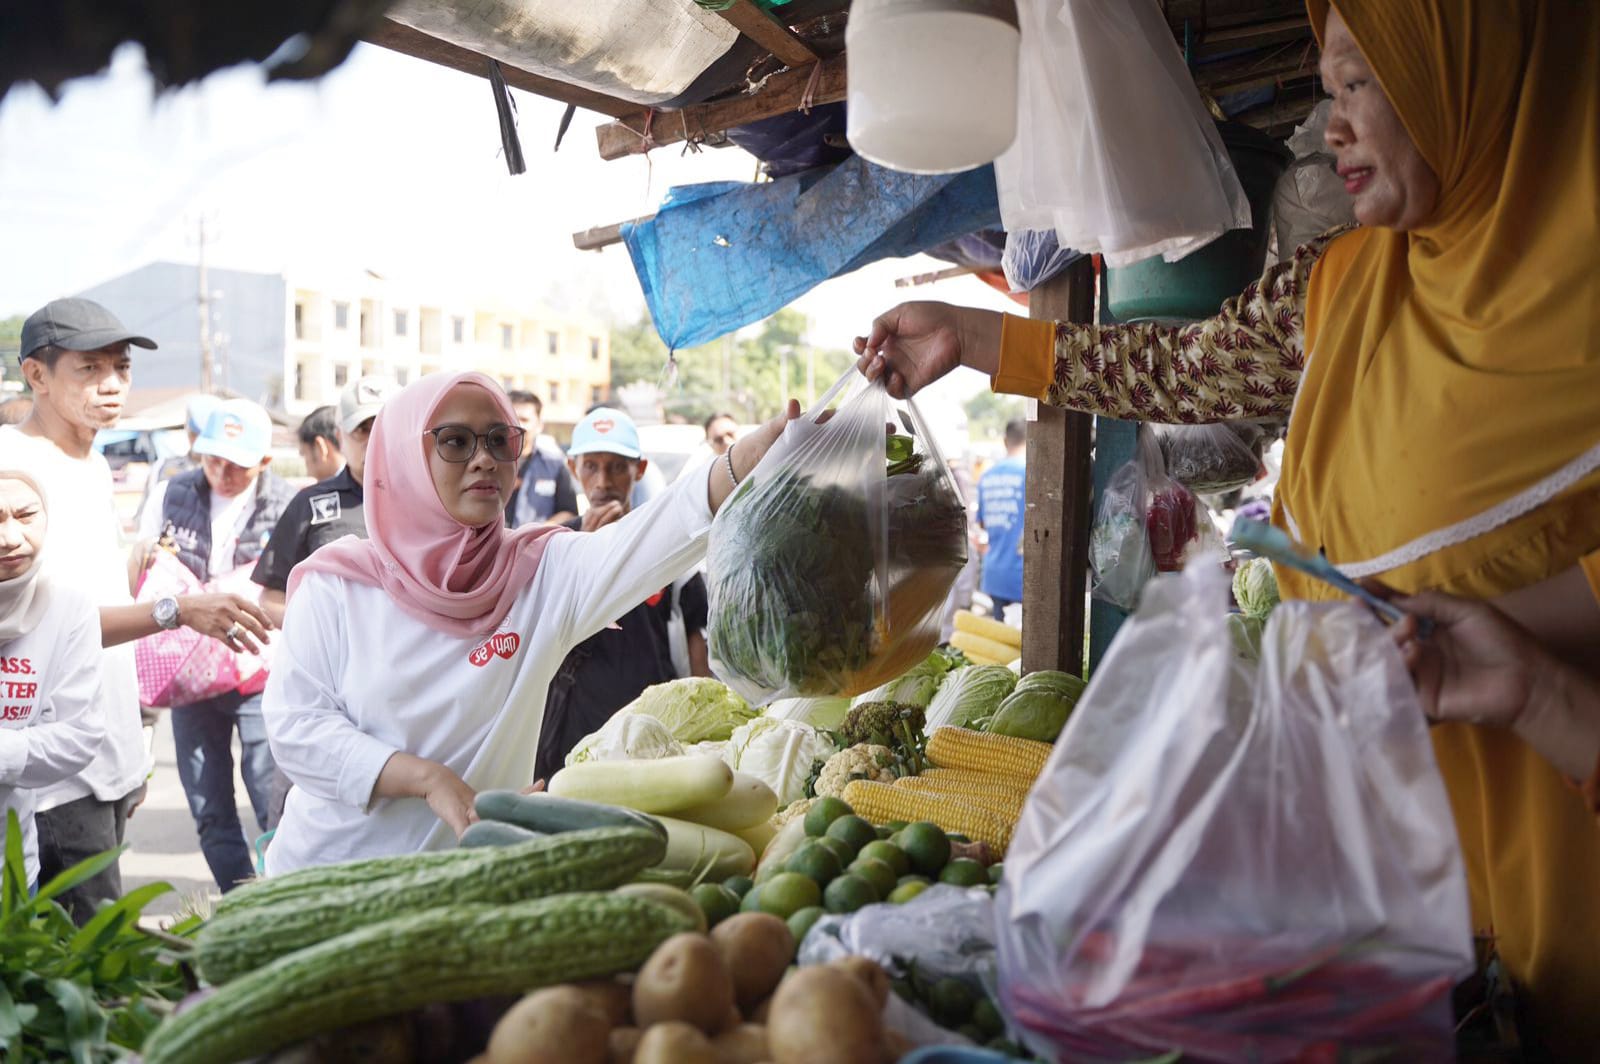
{"type": "Point", "coordinates": [237, 430]}
{"type": "Point", "coordinates": [198, 410]}
{"type": "Point", "coordinates": [606, 431]}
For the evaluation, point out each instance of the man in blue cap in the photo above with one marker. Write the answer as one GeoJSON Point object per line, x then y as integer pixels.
{"type": "Point", "coordinates": [76, 359]}
{"type": "Point", "coordinates": [218, 518]}
{"type": "Point", "coordinates": [609, 669]}
{"type": "Point", "coordinates": [195, 412]}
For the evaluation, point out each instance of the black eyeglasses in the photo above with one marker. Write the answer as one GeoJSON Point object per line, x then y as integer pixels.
{"type": "Point", "coordinates": [458, 443]}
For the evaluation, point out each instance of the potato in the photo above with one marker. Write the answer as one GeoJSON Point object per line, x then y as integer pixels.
{"type": "Point", "coordinates": [390, 1040]}
{"type": "Point", "coordinates": [674, 1042]}
{"type": "Point", "coordinates": [870, 973]}
{"type": "Point", "coordinates": [614, 999]}
{"type": "Point", "coordinates": [763, 1010]}
{"type": "Point", "coordinates": [556, 1025]}
{"type": "Point", "coordinates": [623, 1044]}
{"type": "Point", "coordinates": [758, 948]}
{"type": "Point", "coordinates": [745, 1044]}
{"type": "Point", "coordinates": [733, 1019]}
{"type": "Point", "coordinates": [823, 1015]}
{"type": "Point", "coordinates": [684, 979]}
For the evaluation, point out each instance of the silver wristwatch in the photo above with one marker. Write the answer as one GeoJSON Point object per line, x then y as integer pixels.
{"type": "Point", "coordinates": [165, 611]}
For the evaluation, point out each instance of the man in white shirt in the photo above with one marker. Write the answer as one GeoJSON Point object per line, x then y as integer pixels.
{"type": "Point", "coordinates": [75, 358]}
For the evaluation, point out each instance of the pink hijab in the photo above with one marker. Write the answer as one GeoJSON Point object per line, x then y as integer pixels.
{"type": "Point", "coordinates": [453, 578]}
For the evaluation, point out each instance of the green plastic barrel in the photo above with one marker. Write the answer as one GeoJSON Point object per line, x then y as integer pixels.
{"type": "Point", "coordinates": [1197, 285]}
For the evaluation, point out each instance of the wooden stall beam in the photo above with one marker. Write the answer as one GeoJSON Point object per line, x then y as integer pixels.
{"type": "Point", "coordinates": [602, 236]}
{"type": "Point", "coordinates": [769, 33]}
{"type": "Point", "coordinates": [783, 92]}
{"type": "Point", "coordinates": [1055, 556]}
{"type": "Point", "coordinates": [937, 275]}
{"type": "Point", "coordinates": [401, 38]}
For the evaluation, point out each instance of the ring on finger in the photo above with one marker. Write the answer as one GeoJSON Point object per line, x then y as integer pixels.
{"type": "Point", "coordinates": [235, 630]}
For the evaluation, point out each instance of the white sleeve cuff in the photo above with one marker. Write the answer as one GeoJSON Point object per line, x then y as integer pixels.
{"type": "Point", "coordinates": [358, 776]}
{"type": "Point", "coordinates": [13, 756]}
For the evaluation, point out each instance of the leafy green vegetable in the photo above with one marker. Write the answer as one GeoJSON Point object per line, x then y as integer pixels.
{"type": "Point", "coordinates": [626, 735]}
{"type": "Point", "coordinates": [783, 754]}
{"type": "Point", "coordinates": [970, 694]}
{"type": "Point", "coordinates": [1255, 587]}
{"type": "Point", "coordinates": [915, 687]}
{"type": "Point", "coordinates": [695, 709]}
{"type": "Point", "coordinates": [1039, 707]}
{"type": "Point", "coordinates": [822, 712]}
{"type": "Point", "coordinates": [87, 994]}
{"type": "Point", "coordinates": [1245, 632]}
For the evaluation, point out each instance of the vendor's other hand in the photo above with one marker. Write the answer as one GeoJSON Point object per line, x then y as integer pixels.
{"type": "Point", "coordinates": [915, 344]}
{"type": "Point", "coordinates": [602, 515]}
{"type": "Point", "coordinates": [536, 787]}
{"type": "Point", "coordinates": [215, 615]}
{"type": "Point", "coordinates": [1475, 667]}
{"type": "Point", "coordinates": [448, 795]}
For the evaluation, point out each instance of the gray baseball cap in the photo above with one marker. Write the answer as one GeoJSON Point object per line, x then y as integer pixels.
{"type": "Point", "coordinates": [362, 398]}
{"type": "Point", "coordinates": [77, 325]}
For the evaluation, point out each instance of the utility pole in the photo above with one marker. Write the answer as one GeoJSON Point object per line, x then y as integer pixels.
{"type": "Point", "coordinates": [205, 315]}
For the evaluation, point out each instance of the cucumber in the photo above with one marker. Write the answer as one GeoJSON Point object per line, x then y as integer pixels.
{"type": "Point", "coordinates": [650, 786]}
{"type": "Point", "coordinates": [495, 833]}
{"type": "Point", "coordinates": [705, 852]}
{"type": "Point", "coordinates": [552, 815]}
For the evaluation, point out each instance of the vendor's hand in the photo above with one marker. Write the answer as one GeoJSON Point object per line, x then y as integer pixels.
{"type": "Point", "coordinates": [602, 515]}
{"type": "Point", "coordinates": [536, 787]}
{"type": "Point", "coordinates": [1475, 667]}
{"type": "Point", "coordinates": [216, 614]}
{"type": "Point", "coordinates": [915, 344]}
{"type": "Point", "coordinates": [448, 795]}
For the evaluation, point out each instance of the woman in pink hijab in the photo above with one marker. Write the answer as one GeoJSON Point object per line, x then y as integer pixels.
{"type": "Point", "coordinates": [413, 665]}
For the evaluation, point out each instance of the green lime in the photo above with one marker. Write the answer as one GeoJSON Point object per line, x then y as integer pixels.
{"type": "Point", "coordinates": [906, 890]}
{"type": "Point", "coordinates": [970, 1030]}
{"type": "Point", "coordinates": [965, 872]}
{"type": "Point", "coordinates": [848, 893]}
{"type": "Point", "coordinates": [841, 849]}
{"type": "Point", "coordinates": [853, 831]}
{"type": "Point", "coordinates": [816, 861]}
{"type": "Point", "coordinates": [876, 872]}
{"type": "Point", "coordinates": [895, 825]}
{"type": "Point", "coordinates": [996, 870]}
{"type": "Point", "coordinates": [825, 811]}
{"type": "Point", "coordinates": [716, 901]}
{"type": "Point", "coordinates": [954, 837]}
{"type": "Point", "coordinates": [889, 854]}
{"type": "Point", "coordinates": [788, 892]}
{"type": "Point", "coordinates": [751, 902]}
{"type": "Point", "coordinates": [951, 1001]}
{"type": "Point", "coordinates": [927, 846]}
{"type": "Point", "coordinates": [800, 922]}
{"type": "Point", "coordinates": [986, 1017]}
{"type": "Point", "coordinates": [740, 885]}
{"type": "Point", "coordinates": [883, 831]}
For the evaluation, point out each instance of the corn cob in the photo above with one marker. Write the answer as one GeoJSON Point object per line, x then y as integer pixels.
{"type": "Point", "coordinates": [235, 943]}
{"type": "Point", "coordinates": [959, 776]}
{"type": "Point", "coordinates": [989, 628]}
{"type": "Point", "coordinates": [452, 953]}
{"type": "Point", "coordinates": [971, 644]}
{"type": "Point", "coordinates": [1000, 797]}
{"type": "Point", "coordinates": [880, 802]}
{"type": "Point", "coordinates": [963, 748]}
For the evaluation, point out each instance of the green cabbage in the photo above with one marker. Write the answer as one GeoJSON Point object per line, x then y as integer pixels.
{"type": "Point", "coordinates": [969, 694]}
{"type": "Point", "coordinates": [1039, 707]}
{"type": "Point", "coordinates": [1246, 635]}
{"type": "Point", "coordinates": [780, 753]}
{"type": "Point", "coordinates": [693, 709]}
{"type": "Point", "coordinates": [1255, 587]}
{"type": "Point", "coordinates": [916, 687]}
{"type": "Point", "coordinates": [626, 735]}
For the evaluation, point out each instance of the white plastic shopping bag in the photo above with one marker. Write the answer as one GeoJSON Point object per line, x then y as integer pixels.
{"type": "Point", "coordinates": [1242, 861]}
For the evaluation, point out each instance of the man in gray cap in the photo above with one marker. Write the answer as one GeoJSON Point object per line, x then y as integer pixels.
{"type": "Point", "coordinates": [75, 358]}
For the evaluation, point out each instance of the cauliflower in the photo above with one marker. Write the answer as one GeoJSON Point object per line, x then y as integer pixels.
{"type": "Point", "coordinates": [864, 761]}
{"type": "Point", "coordinates": [790, 811]}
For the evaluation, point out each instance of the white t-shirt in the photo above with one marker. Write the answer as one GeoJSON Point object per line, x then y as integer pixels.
{"type": "Point", "coordinates": [50, 722]}
{"type": "Point", "coordinates": [356, 680]}
{"type": "Point", "coordinates": [84, 551]}
{"type": "Point", "coordinates": [228, 517]}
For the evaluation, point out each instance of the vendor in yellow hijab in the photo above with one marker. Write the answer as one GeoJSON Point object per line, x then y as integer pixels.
{"type": "Point", "coordinates": [1442, 366]}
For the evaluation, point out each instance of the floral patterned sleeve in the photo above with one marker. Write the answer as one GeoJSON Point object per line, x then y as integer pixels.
{"type": "Point", "coordinates": [1244, 363]}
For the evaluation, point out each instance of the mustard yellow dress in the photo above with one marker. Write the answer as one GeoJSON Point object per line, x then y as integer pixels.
{"type": "Point", "coordinates": [1443, 394]}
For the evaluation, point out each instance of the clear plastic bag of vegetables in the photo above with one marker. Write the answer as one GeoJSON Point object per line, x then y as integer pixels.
{"type": "Point", "coordinates": [1239, 860]}
{"type": "Point", "coordinates": [829, 564]}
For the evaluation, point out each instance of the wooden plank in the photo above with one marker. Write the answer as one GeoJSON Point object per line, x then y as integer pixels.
{"type": "Point", "coordinates": [1055, 558]}
{"type": "Point", "coordinates": [769, 33]}
{"type": "Point", "coordinates": [937, 275]}
{"type": "Point", "coordinates": [403, 39]}
{"type": "Point", "coordinates": [602, 236]}
{"type": "Point", "coordinates": [783, 92]}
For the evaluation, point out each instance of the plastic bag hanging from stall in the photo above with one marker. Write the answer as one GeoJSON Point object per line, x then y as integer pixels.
{"type": "Point", "coordinates": [1034, 256]}
{"type": "Point", "coordinates": [1242, 861]}
{"type": "Point", "coordinates": [1116, 153]}
{"type": "Point", "coordinates": [1212, 459]}
{"type": "Point", "coordinates": [1310, 197]}
{"type": "Point", "coordinates": [828, 566]}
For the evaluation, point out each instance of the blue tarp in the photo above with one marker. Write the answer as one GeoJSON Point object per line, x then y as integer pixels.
{"type": "Point", "coordinates": [723, 255]}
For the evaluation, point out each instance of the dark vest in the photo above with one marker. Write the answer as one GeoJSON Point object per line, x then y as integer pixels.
{"type": "Point", "coordinates": [186, 516]}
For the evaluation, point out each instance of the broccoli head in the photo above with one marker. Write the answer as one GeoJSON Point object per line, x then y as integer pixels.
{"type": "Point", "coordinates": [896, 725]}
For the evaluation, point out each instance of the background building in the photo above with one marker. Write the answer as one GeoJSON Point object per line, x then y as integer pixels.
{"type": "Point", "coordinates": [292, 341]}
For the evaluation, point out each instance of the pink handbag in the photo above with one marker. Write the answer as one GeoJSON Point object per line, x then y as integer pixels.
{"type": "Point", "coordinates": [181, 666]}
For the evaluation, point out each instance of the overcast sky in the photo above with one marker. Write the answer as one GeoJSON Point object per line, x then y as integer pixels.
{"type": "Point", "coordinates": [389, 163]}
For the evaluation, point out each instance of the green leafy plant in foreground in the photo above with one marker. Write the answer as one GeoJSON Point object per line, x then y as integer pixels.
{"type": "Point", "coordinates": [86, 994]}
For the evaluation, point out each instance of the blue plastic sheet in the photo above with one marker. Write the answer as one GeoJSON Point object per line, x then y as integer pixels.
{"type": "Point", "coordinates": [723, 255]}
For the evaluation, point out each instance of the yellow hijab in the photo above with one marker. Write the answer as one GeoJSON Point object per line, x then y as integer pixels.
{"type": "Point", "coordinates": [1453, 382]}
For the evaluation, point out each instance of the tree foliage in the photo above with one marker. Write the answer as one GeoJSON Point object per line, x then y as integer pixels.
{"type": "Point", "coordinates": [987, 414]}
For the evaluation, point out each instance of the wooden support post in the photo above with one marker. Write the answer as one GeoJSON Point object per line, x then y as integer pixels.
{"type": "Point", "coordinates": [1055, 556]}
